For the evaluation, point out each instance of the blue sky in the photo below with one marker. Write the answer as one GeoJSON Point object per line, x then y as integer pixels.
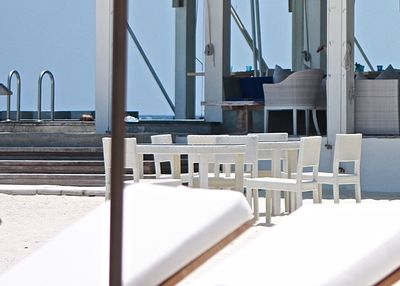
{"type": "Point", "coordinates": [60, 36]}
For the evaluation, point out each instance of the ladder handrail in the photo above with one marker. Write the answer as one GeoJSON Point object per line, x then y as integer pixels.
{"type": "Point", "coordinates": [18, 76]}
{"type": "Point", "coordinates": [39, 101]}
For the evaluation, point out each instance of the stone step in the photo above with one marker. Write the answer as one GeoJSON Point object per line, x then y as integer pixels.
{"type": "Point", "coordinates": [52, 166]}
{"type": "Point", "coordinates": [53, 179]}
{"type": "Point", "coordinates": [40, 153]}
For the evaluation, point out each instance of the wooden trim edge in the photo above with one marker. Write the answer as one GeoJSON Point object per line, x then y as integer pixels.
{"type": "Point", "coordinates": [202, 258]}
{"type": "Point", "coordinates": [390, 279]}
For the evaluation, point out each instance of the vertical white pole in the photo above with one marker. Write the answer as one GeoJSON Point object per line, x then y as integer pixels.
{"type": "Point", "coordinates": [103, 65]}
{"type": "Point", "coordinates": [340, 70]}
{"type": "Point", "coordinates": [217, 64]}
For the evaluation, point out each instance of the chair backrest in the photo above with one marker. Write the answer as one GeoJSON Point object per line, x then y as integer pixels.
{"type": "Point", "coordinates": [269, 137]}
{"type": "Point", "coordinates": [347, 149]}
{"type": "Point", "coordinates": [158, 158]}
{"type": "Point", "coordinates": [309, 155]}
{"type": "Point", "coordinates": [300, 89]}
{"type": "Point", "coordinates": [250, 157]}
{"type": "Point", "coordinates": [203, 139]}
{"type": "Point", "coordinates": [130, 157]}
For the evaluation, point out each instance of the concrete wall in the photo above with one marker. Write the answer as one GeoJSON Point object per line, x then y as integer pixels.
{"type": "Point", "coordinates": [380, 159]}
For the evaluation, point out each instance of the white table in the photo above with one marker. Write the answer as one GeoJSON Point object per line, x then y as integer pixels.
{"type": "Point", "coordinates": [276, 149]}
{"type": "Point", "coordinates": [205, 152]}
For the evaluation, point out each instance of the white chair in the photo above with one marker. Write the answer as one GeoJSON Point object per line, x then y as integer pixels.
{"type": "Point", "coordinates": [215, 178]}
{"type": "Point", "coordinates": [161, 158]}
{"type": "Point", "coordinates": [250, 157]}
{"type": "Point", "coordinates": [347, 150]}
{"type": "Point", "coordinates": [131, 159]}
{"type": "Point", "coordinates": [308, 157]}
{"type": "Point", "coordinates": [298, 91]}
{"type": "Point", "coordinates": [266, 155]}
{"type": "Point", "coordinates": [194, 159]}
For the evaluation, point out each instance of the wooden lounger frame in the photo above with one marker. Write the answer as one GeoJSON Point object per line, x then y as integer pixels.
{"type": "Point", "coordinates": [197, 262]}
{"type": "Point", "coordinates": [391, 279]}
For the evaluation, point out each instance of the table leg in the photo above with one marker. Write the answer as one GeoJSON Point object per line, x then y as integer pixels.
{"type": "Point", "coordinates": [176, 166]}
{"type": "Point", "coordinates": [239, 169]}
{"type": "Point", "coordinates": [292, 162]}
{"type": "Point", "coordinates": [140, 163]}
{"type": "Point", "coordinates": [203, 171]}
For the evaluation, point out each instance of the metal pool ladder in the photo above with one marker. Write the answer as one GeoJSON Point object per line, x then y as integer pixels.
{"type": "Point", "coordinates": [39, 100]}
{"type": "Point", "coordinates": [10, 75]}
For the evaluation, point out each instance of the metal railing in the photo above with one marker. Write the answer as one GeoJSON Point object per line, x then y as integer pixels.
{"type": "Point", "coordinates": [150, 67]}
{"type": "Point", "coordinates": [39, 99]}
{"type": "Point", "coordinates": [248, 38]}
{"type": "Point", "coordinates": [10, 76]}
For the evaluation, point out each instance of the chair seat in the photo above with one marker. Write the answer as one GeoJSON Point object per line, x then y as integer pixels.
{"type": "Point", "coordinates": [184, 177]}
{"type": "Point", "coordinates": [328, 178]}
{"type": "Point", "coordinates": [164, 182]}
{"type": "Point", "coordinates": [271, 183]}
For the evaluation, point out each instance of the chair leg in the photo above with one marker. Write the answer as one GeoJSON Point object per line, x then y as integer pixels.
{"type": "Point", "coordinates": [307, 121]}
{"type": "Point", "coordinates": [315, 121]}
{"type": "Point", "coordinates": [293, 203]}
{"type": "Point", "coordinates": [256, 208]}
{"type": "Point", "coordinates": [248, 195]}
{"type": "Point", "coordinates": [191, 174]}
{"type": "Point", "coordinates": [268, 206]}
{"type": "Point", "coordinates": [336, 193]}
{"type": "Point", "coordinates": [299, 199]}
{"type": "Point", "coordinates": [357, 190]}
{"type": "Point", "coordinates": [295, 122]}
{"type": "Point", "coordinates": [107, 193]}
{"type": "Point", "coordinates": [320, 193]}
{"type": "Point", "coordinates": [266, 114]}
{"type": "Point", "coordinates": [315, 196]}
{"type": "Point", "coordinates": [287, 201]}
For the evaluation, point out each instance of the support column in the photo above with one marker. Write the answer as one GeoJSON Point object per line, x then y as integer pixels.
{"type": "Point", "coordinates": [217, 60]}
{"type": "Point", "coordinates": [314, 27]}
{"type": "Point", "coordinates": [297, 35]}
{"type": "Point", "coordinates": [103, 65]}
{"type": "Point", "coordinates": [185, 60]}
{"type": "Point", "coordinates": [340, 58]}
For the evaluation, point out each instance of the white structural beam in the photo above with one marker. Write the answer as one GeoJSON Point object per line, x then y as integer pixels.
{"type": "Point", "coordinates": [309, 32]}
{"type": "Point", "coordinates": [297, 35]}
{"type": "Point", "coordinates": [185, 56]}
{"type": "Point", "coordinates": [340, 62]}
{"type": "Point", "coordinates": [217, 61]}
{"type": "Point", "coordinates": [103, 65]}
{"type": "Point", "coordinates": [313, 27]}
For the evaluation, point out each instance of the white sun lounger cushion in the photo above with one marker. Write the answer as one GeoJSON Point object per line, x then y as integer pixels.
{"type": "Point", "coordinates": [344, 244]}
{"type": "Point", "coordinates": [165, 228]}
